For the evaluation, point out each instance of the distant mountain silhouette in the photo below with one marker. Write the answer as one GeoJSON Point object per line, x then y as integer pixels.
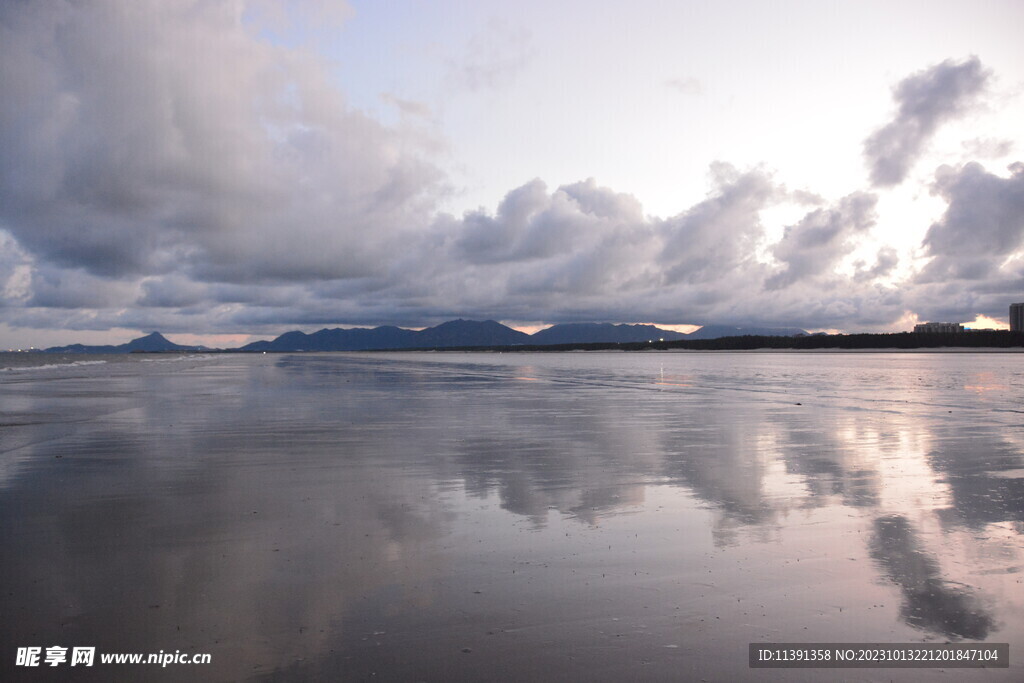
{"type": "Point", "coordinates": [446, 335]}
{"type": "Point", "coordinates": [474, 333]}
{"type": "Point", "coordinates": [470, 333]}
{"type": "Point", "coordinates": [719, 331]}
{"type": "Point", "coordinates": [357, 339]}
{"type": "Point", "coordinates": [452, 334]}
{"type": "Point", "coordinates": [151, 343]}
{"type": "Point", "coordinates": [592, 333]}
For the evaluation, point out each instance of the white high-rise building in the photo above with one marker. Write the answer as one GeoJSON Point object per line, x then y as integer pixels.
{"type": "Point", "coordinates": [1017, 317]}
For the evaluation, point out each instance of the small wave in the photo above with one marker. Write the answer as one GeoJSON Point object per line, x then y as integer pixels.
{"type": "Point", "coordinates": [52, 366]}
{"type": "Point", "coordinates": [178, 359]}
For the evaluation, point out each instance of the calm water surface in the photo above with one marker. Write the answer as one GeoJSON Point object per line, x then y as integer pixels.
{"type": "Point", "coordinates": [509, 516]}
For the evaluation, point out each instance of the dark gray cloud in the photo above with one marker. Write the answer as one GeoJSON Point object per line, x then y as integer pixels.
{"type": "Point", "coordinates": [172, 292]}
{"type": "Point", "coordinates": [74, 288]}
{"type": "Point", "coordinates": [925, 100]}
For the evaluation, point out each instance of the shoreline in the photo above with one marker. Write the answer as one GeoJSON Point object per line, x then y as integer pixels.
{"type": "Point", "coordinates": [923, 349]}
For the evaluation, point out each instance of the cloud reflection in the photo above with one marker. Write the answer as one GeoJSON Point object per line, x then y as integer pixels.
{"type": "Point", "coordinates": [929, 602]}
{"type": "Point", "coordinates": [985, 475]}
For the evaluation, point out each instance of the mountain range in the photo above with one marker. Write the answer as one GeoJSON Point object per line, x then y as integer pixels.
{"type": "Point", "coordinates": [452, 334]}
{"type": "Point", "coordinates": [151, 343]}
{"type": "Point", "coordinates": [472, 333]}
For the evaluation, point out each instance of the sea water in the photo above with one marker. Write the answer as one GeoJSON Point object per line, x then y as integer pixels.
{"type": "Point", "coordinates": [562, 516]}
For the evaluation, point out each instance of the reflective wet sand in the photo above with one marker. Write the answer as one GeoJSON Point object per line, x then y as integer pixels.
{"type": "Point", "coordinates": [511, 517]}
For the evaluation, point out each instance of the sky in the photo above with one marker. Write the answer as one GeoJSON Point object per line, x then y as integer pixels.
{"type": "Point", "coordinates": [223, 171]}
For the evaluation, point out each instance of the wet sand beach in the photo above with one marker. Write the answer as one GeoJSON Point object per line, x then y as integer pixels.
{"type": "Point", "coordinates": [466, 517]}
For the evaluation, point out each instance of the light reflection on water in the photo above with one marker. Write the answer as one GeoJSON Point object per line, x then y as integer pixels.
{"type": "Point", "coordinates": [615, 516]}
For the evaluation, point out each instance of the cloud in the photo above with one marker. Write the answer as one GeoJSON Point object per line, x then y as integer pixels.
{"type": "Point", "coordinates": [172, 292]}
{"type": "Point", "coordinates": [167, 166]}
{"type": "Point", "coordinates": [987, 148]}
{"type": "Point", "coordinates": [818, 241]}
{"type": "Point", "coordinates": [15, 271]}
{"type": "Point", "coordinates": [925, 100]}
{"type": "Point", "coordinates": [145, 136]}
{"type": "Point", "coordinates": [67, 288]}
{"type": "Point", "coordinates": [976, 248]}
{"type": "Point", "coordinates": [720, 233]}
{"type": "Point", "coordinates": [586, 252]}
{"type": "Point", "coordinates": [983, 224]}
{"type": "Point", "coordinates": [885, 263]}
{"type": "Point", "coordinates": [588, 247]}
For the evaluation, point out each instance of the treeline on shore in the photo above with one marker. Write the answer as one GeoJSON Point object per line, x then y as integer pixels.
{"type": "Point", "coordinates": [899, 340]}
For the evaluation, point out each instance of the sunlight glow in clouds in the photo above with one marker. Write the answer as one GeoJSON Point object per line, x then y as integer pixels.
{"type": "Point", "coordinates": [243, 168]}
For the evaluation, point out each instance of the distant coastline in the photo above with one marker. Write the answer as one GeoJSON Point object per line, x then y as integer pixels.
{"type": "Point", "coordinates": [466, 335]}
{"type": "Point", "coordinates": [979, 340]}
